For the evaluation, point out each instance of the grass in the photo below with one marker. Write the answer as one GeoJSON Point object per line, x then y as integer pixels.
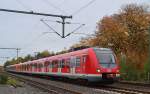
{"type": "Point", "coordinates": [5, 80]}
{"type": "Point", "coordinates": [12, 82]}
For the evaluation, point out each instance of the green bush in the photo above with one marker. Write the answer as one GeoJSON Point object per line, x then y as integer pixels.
{"type": "Point", "coordinates": [147, 67]}
{"type": "Point", "coordinates": [3, 79]}
{"type": "Point", "coordinates": [12, 82]}
{"type": "Point", "coordinates": [130, 72]}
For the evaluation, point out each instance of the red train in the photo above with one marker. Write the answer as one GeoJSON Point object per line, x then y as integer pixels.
{"type": "Point", "coordinates": [90, 64]}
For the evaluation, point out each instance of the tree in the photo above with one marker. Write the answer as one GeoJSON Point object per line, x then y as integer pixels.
{"type": "Point", "coordinates": [125, 32]}
{"type": "Point", "coordinates": [43, 54]}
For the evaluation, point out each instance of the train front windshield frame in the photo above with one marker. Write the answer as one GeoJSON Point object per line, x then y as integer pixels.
{"type": "Point", "coordinates": [105, 58]}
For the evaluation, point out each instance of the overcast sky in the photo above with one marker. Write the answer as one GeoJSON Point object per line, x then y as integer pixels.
{"type": "Point", "coordinates": [25, 31]}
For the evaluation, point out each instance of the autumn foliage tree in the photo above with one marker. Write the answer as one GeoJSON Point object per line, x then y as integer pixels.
{"type": "Point", "coordinates": [126, 32]}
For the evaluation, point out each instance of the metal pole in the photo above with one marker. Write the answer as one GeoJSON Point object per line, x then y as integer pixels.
{"type": "Point", "coordinates": [17, 54]}
{"type": "Point", "coordinates": [42, 14]}
{"type": "Point", "coordinates": [63, 27]}
{"type": "Point", "coordinates": [35, 54]}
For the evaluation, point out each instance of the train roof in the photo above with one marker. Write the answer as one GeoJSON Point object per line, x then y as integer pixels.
{"type": "Point", "coordinates": [81, 51]}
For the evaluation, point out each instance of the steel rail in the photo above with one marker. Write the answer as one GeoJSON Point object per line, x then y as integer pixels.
{"type": "Point", "coordinates": [43, 86]}
{"type": "Point", "coordinates": [124, 90]}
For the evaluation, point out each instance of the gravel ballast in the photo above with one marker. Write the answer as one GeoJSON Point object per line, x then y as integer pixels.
{"type": "Point", "coordinates": [24, 89]}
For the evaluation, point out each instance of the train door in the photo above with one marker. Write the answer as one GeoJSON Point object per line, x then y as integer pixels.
{"type": "Point", "coordinates": [38, 67]}
{"type": "Point", "coordinates": [63, 66]}
{"type": "Point", "coordinates": [30, 68]}
{"type": "Point", "coordinates": [34, 67]}
{"type": "Point", "coordinates": [78, 65]}
{"type": "Point", "coordinates": [83, 63]}
{"type": "Point", "coordinates": [42, 67]}
{"type": "Point", "coordinates": [72, 65]}
{"type": "Point", "coordinates": [67, 65]}
{"type": "Point", "coordinates": [50, 66]}
{"type": "Point", "coordinates": [45, 66]}
{"type": "Point", "coordinates": [59, 65]}
{"type": "Point", "coordinates": [55, 66]}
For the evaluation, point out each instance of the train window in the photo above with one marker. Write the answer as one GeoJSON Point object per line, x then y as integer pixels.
{"type": "Point", "coordinates": [50, 64]}
{"type": "Point", "coordinates": [22, 68]}
{"type": "Point", "coordinates": [42, 65]}
{"type": "Point", "coordinates": [73, 62]}
{"type": "Point", "coordinates": [59, 64]}
{"type": "Point", "coordinates": [46, 64]}
{"type": "Point", "coordinates": [62, 63]}
{"type": "Point", "coordinates": [84, 59]}
{"type": "Point", "coordinates": [106, 59]}
{"type": "Point", "coordinates": [68, 62]}
{"type": "Point", "coordinates": [34, 66]}
{"type": "Point", "coordinates": [27, 67]}
{"type": "Point", "coordinates": [38, 66]}
{"type": "Point", "coordinates": [78, 61]}
{"type": "Point", "coordinates": [55, 64]}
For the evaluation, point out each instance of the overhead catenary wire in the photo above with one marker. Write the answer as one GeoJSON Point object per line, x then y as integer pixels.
{"type": "Point", "coordinates": [54, 6]}
{"type": "Point", "coordinates": [23, 5]}
{"type": "Point", "coordinates": [50, 27]}
{"type": "Point", "coordinates": [60, 21]}
{"type": "Point", "coordinates": [75, 30]}
{"type": "Point", "coordinates": [33, 41]}
{"type": "Point", "coordinates": [54, 31]}
{"type": "Point", "coordinates": [84, 34]}
{"type": "Point", "coordinates": [83, 7]}
{"type": "Point", "coordinates": [62, 2]}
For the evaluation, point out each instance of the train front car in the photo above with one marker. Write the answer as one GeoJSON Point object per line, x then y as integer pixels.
{"type": "Point", "coordinates": [105, 64]}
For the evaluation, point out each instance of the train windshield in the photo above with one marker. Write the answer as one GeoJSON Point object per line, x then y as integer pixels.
{"type": "Point", "coordinates": [106, 58]}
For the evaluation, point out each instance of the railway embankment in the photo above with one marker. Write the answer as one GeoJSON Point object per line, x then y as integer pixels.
{"type": "Point", "coordinates": [10, 85]}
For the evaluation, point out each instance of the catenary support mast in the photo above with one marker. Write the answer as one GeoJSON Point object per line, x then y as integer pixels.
{"type": "Point", "coordinates": [63, 17]}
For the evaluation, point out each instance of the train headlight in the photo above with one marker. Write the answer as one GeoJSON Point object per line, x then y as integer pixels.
{"type": "Point", "coordinates": [98, 70]}
{"type": "Point", "coordinates": [118, 75]}
{"type": "Point", "coordinates": [118, 71]}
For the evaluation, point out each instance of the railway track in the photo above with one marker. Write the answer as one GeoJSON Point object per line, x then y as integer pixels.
{"type": "Point", "coordinates": [123, 90]}
{"type": "Point", "coordinates": [146, 84]}
{"type": "Point", "coordinates": [127, 88]}
{"type": "Point", "coordinates": [77, 89]}
{"type": "Point", "coordinates": [42, 86]}
{"type": "Point", "coordinates": [65, 88]}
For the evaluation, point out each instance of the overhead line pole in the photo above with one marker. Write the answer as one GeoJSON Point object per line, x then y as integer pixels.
{"type": "Point", "coordinates": [17, 49]}
{"type": "Point", "coordinates": [63, 17]}
{"type": "Point", "coordinates": [63, 27]}
{"type": "Point", "coordinates": [4, 57]}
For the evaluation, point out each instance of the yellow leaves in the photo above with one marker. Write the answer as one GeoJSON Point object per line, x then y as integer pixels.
{"type": "Point", "coordinates": [126, 31]}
